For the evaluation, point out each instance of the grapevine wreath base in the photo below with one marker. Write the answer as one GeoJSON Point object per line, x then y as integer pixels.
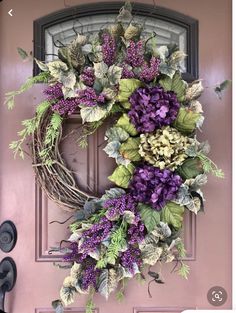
{"type": "Point", "coordinates": [123, 75]}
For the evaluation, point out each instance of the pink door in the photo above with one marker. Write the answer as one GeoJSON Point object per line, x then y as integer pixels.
{"type": "Point", "coordinates": [208, 239]}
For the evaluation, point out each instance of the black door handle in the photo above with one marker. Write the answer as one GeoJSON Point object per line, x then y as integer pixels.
{"type": "Point", "coordinates": [8, 236]}
{"type": "Point", "coordinates": [8, 275]}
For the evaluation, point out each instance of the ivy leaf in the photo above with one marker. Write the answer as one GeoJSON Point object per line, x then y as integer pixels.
{"type": "Point", "coordinates": [186, 121]}
{"type": "Point", "coordinates": [167, 69]}
{"type": "Point", "coordinates": [151, 254]}
{"type": "Point", "coordinates": [68, 79]}
{"type": "Point", "coordinates": [124, 122]}
{"type": "Point", "coordinates": [172, 214]}
{"type": "Point", "coordinates": [176, 84]}
{"type": "Point", "coordinates": [57, 306]}
{"type": "Point", "coordinates": [221, 87]}
{"type": "Point", "coordinates": [116, 134]}
{"type": "Point", "coordinates": [112, 149]}
{"type": "Point", "coordinates": [126, 88]}
{"type": "Point", "coordinates": [114, 74]}
{"type": "Point", "coordinates": [130, 149]}
{"type": "Point", "coordinates": [22, 53]}
{"type": "Point", "coordinates": [113, 193]}
{"type": "Point", "coordinates": [107, 282]}
{"type": "Point", "coordinates": [191, 168]}
{"type": "Point", "coordinates": [95, 113]}
{"type": "Point", "coordinates": [67, 294]}
{"type": "Point", "coordinates": [122, 175]}
{"type": "Point", "coordinates": [149, 216]}
{"type": "Point", "coordinates": [100, 69]}
{"type": "Point", "coordinates": [194, 91]}
{"type": "Point", "coordinates": [56, 67]}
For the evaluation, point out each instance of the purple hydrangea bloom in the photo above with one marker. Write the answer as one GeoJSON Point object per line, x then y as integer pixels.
{"type": "Point", "coordinates": [152, 108]}
{"type": "Point", "coordinates": [117, 206]}
{"type": "Point", "coordinates": [134, 54]}
{"type": "Point", "coordinates": [108, 49]}
{"type": "Point", "coordinates": [88, 76]}
{"type": "Point", "coordinates": [153, 186]}
{"type": "Point", "coordinates": [89, 97]}
{"type": "Point", "coordinates": [150, 72]}
{"type": "Point", "coordinates": [130, 257]}
{"type": "Point", "coordinates": [54, 92]}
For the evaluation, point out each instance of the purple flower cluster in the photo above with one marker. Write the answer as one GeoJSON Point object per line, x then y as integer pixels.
{"type": "Point", "coordinates": [89, 275]}
{"type": "Point", "coordinates": [134, 54]}
{"type": "Point", "coordinates": [108, 49]}
{"type": "Point", "coordinates": [66, 106]}
{"type": "Point", "coordinates": [152, 108]}
{"type": "Point", "coordinates": [72, 256]}
{"type": "Point", "coordinates": [153, 186]}
{"type": "Point", "coordinates": [95, 235]}
{"type": "Point", "coordinates": [61, 105]}
{"type": "Point", "coordinates": [117, 206]}
{"type": "Point", "coordinates": [136, 231]}
{"type": "Point", "coordinates": [54, 92]}
{"type": "Point", "coordinates": [130, 257]}
{"type": "Point", "coordinates": [127, 73]}
{"type": "Point", "coordinates": [88, 76]}
{"type": "Point", "coordinates": [89, 97]}
{"type": "Point", "coordinates": [150, 72]}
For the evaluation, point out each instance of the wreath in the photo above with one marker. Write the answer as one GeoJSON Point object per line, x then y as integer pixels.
{"type": "Point", "coordinates": [120, 73]}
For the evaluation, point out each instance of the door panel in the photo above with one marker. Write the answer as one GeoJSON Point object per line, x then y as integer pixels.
{"type": "Point", "coordinates": [207, 238]}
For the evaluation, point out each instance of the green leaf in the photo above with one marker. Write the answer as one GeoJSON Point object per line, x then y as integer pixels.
{"type": "Point", "coordinates": [184, 270]}
{"type": "Point", "coordinates": [149, 216]}
{"type": "Point", "coordinates": [124, 122]}
{"type": "Point", "coordinates": [172, 214]}
{"type": "Point", "coordinates": [56, 67]}
{"type": "Point", "coordinates": [191, 168]}
{"type": "Point", "coordinates": [41, 65]}
{"type": "Point", "coordinates": [130, 149]}
{"type": "Point", "coordinates": [107, 282]}
{"type": "Point", "coordinates": [116, 134]}
{"type": "Point", "coordinates": [186, 121]}
{"type": "Point", "coordinates": [22, 53]}
{"type": "Point", "coordinates": [126, 88]}
{"type": "Point", "coordinates": [95, 113]}
{"type": "Point", "coordinates": [176, 84]}
{"type": "Point", "coordinates": [122, 175]}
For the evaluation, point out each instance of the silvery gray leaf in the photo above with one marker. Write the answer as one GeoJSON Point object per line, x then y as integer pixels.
{"type": "Point", "coordinates": [166, 231]}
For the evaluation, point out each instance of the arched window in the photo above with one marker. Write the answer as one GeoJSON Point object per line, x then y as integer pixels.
{"type": "Point", "coordinates": [170, 26]}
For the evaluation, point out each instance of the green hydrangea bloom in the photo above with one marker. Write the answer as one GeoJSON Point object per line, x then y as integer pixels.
{"type": "Point", "coordinates": [165, 148]}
